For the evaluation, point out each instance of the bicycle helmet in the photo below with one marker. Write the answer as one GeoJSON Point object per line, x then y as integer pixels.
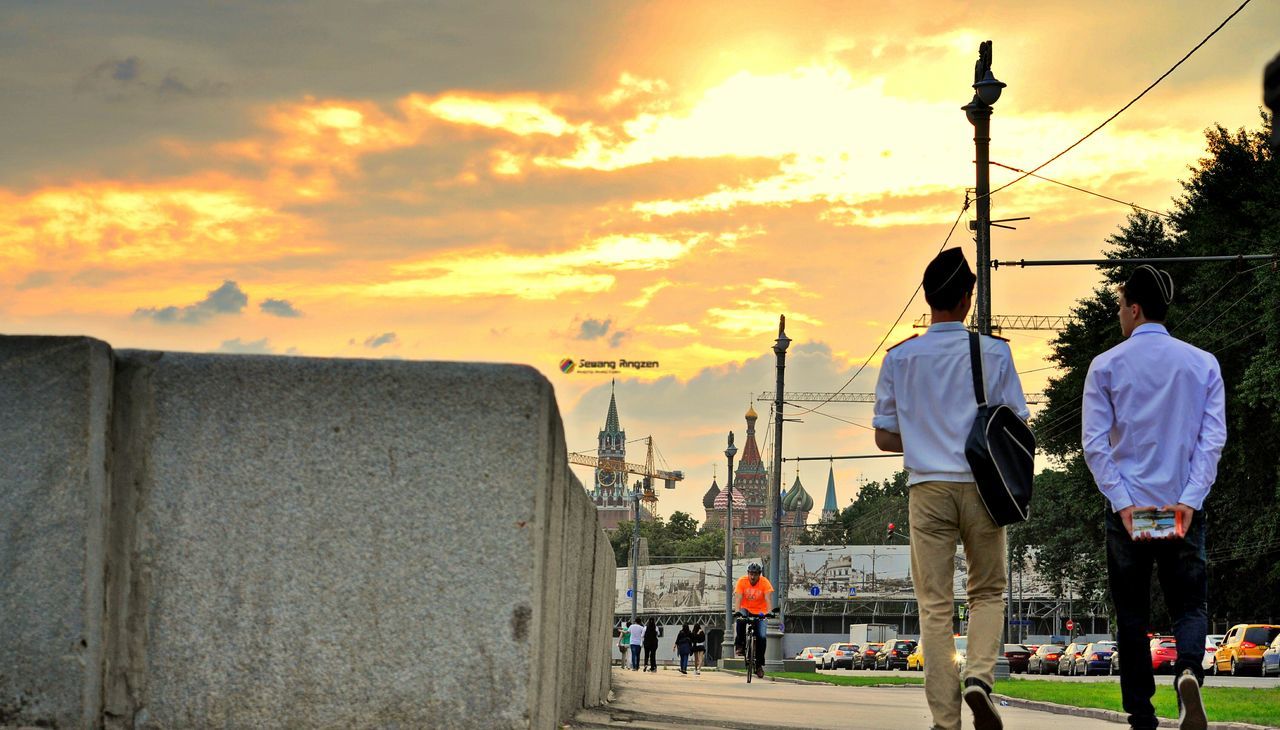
{"type": "Point", "coordinates": [753, 568]}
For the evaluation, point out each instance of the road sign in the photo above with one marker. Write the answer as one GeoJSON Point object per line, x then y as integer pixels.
{"type": "Point", "coordinates": [962, 611]}
{"type": "Point", "coordinates": [814, 590]}
{"type": "Point", "coordinates": [1070, 624]}
{"type": "Point", "coordinates": [628, 593]}
{"type": "Point", "coordinates": [853, 591]}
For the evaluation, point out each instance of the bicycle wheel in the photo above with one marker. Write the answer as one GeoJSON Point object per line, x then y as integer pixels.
{"type": "Point", "coordinates": [749, 656]}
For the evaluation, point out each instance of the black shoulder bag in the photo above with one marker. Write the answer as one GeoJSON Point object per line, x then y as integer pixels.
{"type": "Point", "coordinates": [1001, 450]}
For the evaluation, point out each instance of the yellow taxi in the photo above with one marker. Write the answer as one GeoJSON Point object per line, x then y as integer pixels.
{"type": "Point", "coordinates": [1242, 648]}
{"type": "Point", "coordinates": [915, 660]}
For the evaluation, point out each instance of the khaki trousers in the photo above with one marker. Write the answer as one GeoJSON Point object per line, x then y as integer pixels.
{"type": "Point", "coordinates": [943, 513]}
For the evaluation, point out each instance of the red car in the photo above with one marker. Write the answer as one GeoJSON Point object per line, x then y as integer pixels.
{"type": "Point", "coordinates": [1164, 653]}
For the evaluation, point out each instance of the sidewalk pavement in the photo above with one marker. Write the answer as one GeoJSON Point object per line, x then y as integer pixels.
{"type": "Point", "coordinates": [667, 699]}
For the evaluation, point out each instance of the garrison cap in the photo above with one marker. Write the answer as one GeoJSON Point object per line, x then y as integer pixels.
{"type": "Point", "coordinates": [948, 270]}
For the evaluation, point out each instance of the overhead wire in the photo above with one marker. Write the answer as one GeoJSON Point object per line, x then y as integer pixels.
{"type": "Point", "coordinates": [1124, 108]}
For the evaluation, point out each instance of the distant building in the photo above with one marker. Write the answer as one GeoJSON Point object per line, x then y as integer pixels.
{"type": "Point", "coordinates": [830, 510]}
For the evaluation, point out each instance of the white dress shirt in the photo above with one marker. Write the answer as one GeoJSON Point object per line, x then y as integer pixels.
{"type": "Point", "coordinates": [925, 393]}
{"type": "Point", "coordinates": [1154, 421]}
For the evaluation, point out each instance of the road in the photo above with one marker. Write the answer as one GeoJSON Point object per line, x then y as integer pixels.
{"type": "Point", "coordinates": [667, 699]}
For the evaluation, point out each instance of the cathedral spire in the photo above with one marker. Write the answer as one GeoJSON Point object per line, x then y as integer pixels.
{"type": "Point", "coordinates": [829, 506]}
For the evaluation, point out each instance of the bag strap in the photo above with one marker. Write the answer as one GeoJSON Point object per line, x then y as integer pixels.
{"type": "Point", "coordinates": [975, 359]}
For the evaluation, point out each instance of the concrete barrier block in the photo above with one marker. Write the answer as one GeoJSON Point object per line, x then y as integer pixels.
{"type": "Point", "coordinates": [55, 397]}
{"type": "Point", "coordinates": [337, 543]}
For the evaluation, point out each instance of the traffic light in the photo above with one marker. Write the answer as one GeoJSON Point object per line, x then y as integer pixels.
{"type": "Point", "coordinates": [891, 529]}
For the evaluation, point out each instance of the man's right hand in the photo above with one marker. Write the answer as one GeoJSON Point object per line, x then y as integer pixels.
{"type": "Point", "coordinates": [1126, 516]}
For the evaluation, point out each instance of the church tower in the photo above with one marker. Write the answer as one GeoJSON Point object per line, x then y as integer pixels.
{"type": "Point", "coordinates": [611, 444]}
{"type": "Point", "coordinates": [752, 482]}
{"type": "Point", "coordinates": [830, 510]}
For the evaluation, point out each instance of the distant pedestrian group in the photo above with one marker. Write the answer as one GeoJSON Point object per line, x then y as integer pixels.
{"type": "Point", "coordinates": [690, 643]}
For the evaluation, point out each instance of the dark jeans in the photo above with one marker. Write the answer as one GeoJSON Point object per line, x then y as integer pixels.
{"type": "Point", "coordinates": [1181, 567]}
{"type": "Point", "coordinates": [684, 658]}
{"type": "Point", "coordinates": [635, 656]}
{"type": "Point", "coordinates": [651, 658]}
{"type": "Point", "coordinates": [740, 638]}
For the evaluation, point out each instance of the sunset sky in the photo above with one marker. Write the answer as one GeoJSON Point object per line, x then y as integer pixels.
{"type": "Point", "coordinates": [529, 182]}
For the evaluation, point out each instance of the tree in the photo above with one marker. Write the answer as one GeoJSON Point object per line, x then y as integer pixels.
{"type": "Point", "coordinates": [1230, 205]}
{"type": "Point", "coordinates": [674, 540]}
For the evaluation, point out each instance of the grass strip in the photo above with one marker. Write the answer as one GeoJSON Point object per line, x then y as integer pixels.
{"type": "Point", "coordinates": [1222, 704]}
{"type": "Point", "coordinates": [843, 681]}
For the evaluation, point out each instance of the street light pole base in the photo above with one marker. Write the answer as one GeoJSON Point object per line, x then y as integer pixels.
{"type": "Point", "coordinates": [773, 656]}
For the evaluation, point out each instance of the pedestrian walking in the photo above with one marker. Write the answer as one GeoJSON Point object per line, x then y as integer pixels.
{"type": "Point", "coordinates": [925, 408]}
{"type": "Point", "coordinates": [651, 646]}
{"type": "Point", "coordinates": [636, 629]}
{"type": "Point", "coordinates": [699, 647]}
{"type": "Point", "coordinates": [624, 640]}
{"type": "Point", "coordinates": [1153, 428]}
{"type": "Point", "coordinates": [684, 647]}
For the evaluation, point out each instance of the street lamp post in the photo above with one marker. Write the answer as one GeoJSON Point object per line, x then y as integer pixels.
{"type": "Point", "coordinates": [773, 651]}
{"type": "Point", "coordinates": [635, 549]}
{"type": "Point", "coordinates": [986, 93]}
{"type": "Point", "coordinates": [726, 644]}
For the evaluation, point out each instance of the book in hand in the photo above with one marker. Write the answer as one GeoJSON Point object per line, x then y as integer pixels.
{"type": "Point", "coordinates": [1155, 524]}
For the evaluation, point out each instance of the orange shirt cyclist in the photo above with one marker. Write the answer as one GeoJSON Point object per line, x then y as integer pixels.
{"type": "Point", "coordinates": [753, 594]}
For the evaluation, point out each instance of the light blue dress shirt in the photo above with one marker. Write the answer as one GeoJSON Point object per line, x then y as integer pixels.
{"type": "Point", "coordinates": [925, 393]}
{"type": "Point", "coordinates": [1154, 421]}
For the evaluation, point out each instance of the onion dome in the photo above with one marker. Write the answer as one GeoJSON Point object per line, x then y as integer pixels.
{"type": "Point", "coordinates": [797, 499]}
{"type": "Point", "coordinates": [751, 413]}
{"type": "Point", "coordinates": [709, 499]}
{"type": "Point", "coordinates": [722, 499]}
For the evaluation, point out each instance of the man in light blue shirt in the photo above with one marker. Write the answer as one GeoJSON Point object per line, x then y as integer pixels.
{"type": "Point", "coordinates": [925, 407]}
{"type": "Point", "coordinates": [1153, 429]}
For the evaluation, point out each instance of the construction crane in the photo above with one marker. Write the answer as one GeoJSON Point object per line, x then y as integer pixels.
{"type": "Point", "coordinates": [611, 469]}
{"type": "Point", "coordinates": [1032, 398]}
{"type": "Point", "coordinates": [1012, 322]}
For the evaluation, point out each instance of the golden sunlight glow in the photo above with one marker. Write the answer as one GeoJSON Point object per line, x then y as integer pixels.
{"type": "Point", "coordinates": [516, 115]}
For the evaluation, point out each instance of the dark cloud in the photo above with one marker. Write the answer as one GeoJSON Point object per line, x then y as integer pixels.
{"type": "Point", "coordinates": [121, 78]}
{"type": "Point", "coordinates": [253, 347]}
{"type": "Point", "coordinates": [35, 280]}
{"type": "Point", "coordinates": [226, 299]}
{"type": "Point", "coordinates": [385, 338]}
{"type": "Point", "coordinates": [593, 329]}
{"type": "Point", "coordinates": [279, 308]}
{"type": "Point", "coordinates": [617, 337]}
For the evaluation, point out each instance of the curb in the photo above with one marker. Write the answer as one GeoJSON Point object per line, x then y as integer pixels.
{"type": "Point", "coordinates": [1109, 715]}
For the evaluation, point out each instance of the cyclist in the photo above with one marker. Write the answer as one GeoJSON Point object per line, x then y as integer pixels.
{"type": "Point", "coordinates": [753, 594]}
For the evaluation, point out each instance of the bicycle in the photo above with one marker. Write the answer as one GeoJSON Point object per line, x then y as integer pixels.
{"type": "Point", "coordinates": [749, 658]}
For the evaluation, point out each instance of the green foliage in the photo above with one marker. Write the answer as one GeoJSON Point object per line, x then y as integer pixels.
{"type": "Point", "coordinates": [1230, 205]}
{"type": "Point", "coordinates": [674, 540]}
{"type": "Point", "coordinates": [865, 521]}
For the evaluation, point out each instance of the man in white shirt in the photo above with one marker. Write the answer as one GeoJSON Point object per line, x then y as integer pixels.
{"type": "Point", "coordinates": [925, 407]}
{"type": "Point", "coordinates": [1153, 428]}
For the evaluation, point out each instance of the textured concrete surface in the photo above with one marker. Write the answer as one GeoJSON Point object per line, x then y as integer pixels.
{"type": "Point", "coordinates": [334, 543]}
{"type": "Point", "coordinates": [54, 401]}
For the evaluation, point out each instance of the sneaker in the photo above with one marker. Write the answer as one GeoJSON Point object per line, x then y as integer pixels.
{"type": "Point", "coordinates": [1191, 716]}
{"type": "Point", "coordinates": [760, 672]}
{"type": "Point", "coordinates": [739, 652]}
{"type": "Point", "coordinates": [978, 696]}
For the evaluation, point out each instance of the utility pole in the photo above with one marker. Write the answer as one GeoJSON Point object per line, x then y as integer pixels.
{"type": "Point", "coordinates": [726, 643]}
{"type": "Point", "coordinates": [773, 652]}
{"type": "Point", "coordinates": [635, 549]}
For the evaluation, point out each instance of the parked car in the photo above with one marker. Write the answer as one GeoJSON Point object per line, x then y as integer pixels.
{"type": "Point", "coordinates": [1164, 653]}
{"type": "Point", "coordinates": [915, 660]}
{"type": "Point", "coordinates": [962, 652]}
{"type": "Point", "coordinates": [1211, 644]}
{"type": "Point", "coordinates": [1271, 658]}
{"type": "Point", "coordinates": [893, 655]}
{"type": "Point", "coordinates": [1044, 660]}
{"type": "Point", "coordinates": [1069, 655]}
{"type": "Point", "coordinates": [1242, 648]}
{"type": "Point", "coordinates": [1017, 654]}
{"type": "Point", "coordinates": [1095, 659]}
{"type": "Point", "coordinates": [812, 652]}
{"type": "Point", "coordinates": [838, 655]}
{"type": "Point", "coordinates": [866, 659]}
